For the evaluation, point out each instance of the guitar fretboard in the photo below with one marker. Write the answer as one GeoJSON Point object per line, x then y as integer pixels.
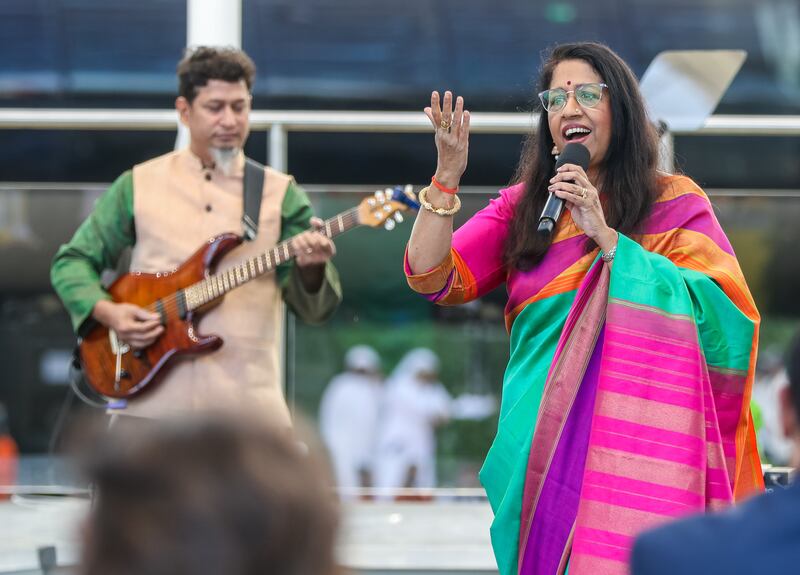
{"type": "Point", "coordinates": [220, 283]}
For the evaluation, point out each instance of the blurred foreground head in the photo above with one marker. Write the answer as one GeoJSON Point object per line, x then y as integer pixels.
{"type": "Point", "coordinates": [208, 497]}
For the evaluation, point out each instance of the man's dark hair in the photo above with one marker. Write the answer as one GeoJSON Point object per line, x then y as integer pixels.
{"type": "Point", "coordinates": [201, 64]}
{"type": "Point", "coordinates": [793, 369]}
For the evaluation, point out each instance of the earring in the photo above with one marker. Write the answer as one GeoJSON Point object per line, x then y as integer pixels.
{"type": "Point", "coordinates": [554, 151]}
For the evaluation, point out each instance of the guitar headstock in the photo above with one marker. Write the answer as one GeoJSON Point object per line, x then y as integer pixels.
{"type": "Point", "coordinates": [385, 207]}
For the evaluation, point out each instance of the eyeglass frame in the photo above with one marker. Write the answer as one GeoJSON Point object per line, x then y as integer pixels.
{"type": "Point", "coordinates": [567, 92]}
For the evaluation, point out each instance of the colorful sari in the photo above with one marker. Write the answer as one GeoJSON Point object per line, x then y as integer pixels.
{"type": "Point", "coordinates": [626, 397]}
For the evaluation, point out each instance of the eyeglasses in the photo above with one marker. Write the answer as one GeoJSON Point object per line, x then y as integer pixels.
{"type": "Point", "coordinates": [587, 95]}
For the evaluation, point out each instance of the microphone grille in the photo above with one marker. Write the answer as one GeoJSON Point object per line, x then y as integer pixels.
{"type": "Point", "coordinates": [577, 154]}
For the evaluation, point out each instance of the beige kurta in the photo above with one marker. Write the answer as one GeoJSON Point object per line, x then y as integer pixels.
{"type": "Point", "coordinates": [178, 205]}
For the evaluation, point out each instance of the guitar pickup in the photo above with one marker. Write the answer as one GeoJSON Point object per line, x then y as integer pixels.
{"type": "Point", "coordinates": [181, 297]}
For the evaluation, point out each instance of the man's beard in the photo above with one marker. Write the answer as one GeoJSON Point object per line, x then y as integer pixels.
{"type": "Point", "coordinates": [225, 159]}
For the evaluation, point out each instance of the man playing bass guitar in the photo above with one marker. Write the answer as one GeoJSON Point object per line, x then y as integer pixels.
{"type": "Point", "coordinates": [164, 209]}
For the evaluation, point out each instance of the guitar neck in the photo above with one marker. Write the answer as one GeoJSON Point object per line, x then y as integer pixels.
{"type": "Point", "coordinates": [217, 285]}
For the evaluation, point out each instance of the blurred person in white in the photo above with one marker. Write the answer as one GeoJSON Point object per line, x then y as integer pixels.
{"type": "Point", "coordinates": [348, 418]}
{"type": "Point", "coordinates": [770, 381]}
{"type": "Point", "coordinates": [415, 403]}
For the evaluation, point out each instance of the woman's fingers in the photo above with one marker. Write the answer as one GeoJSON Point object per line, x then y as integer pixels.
{"type": "Point", "coordinates": [464, 133]}
{"type": "Point", "coordinates": [436, 109]}
{"type": "Point", "coordinates": [447, 110]}
{"type": "Point", "coordinates": [575, 176]}
{"type": "Point", "coordinates": [429, 112]}
{"type": "Point", "coordinates": [444, 116]}
{"type": "Point", "coordinates": [571, 192]}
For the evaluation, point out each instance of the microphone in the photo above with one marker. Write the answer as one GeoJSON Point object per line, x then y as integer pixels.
{"type": "Point", "coordinates": [577, 154]}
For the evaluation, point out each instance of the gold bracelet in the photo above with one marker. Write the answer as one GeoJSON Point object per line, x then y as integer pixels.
{"type": "Point", "coordinates": [423, 200]}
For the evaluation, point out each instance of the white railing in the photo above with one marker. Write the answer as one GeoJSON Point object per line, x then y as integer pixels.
{"type": "Point", "coordinates": [280, 123]}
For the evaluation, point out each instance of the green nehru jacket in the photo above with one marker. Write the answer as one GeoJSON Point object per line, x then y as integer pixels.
{"type": "Point", "coordinates": [100, 240]}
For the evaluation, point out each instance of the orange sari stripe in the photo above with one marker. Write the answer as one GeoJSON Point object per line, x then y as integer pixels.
{"type": "Point", "coordinates": [695, 251]}
{"type": "Point", "coordinates": [569, 280]}
{"type": "Point", "coordinates": [674, 186]}
{"type": "Point", "coordinates": [433, 280]}
{"type": "Point", "coordinates": [464, 282]}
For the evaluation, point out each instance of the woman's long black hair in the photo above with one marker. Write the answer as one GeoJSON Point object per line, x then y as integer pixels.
{"type": "Point", "coordinates": [627, 173]}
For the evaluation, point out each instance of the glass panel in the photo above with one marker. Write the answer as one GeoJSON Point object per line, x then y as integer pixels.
{"type": "Point", "coordinates": [90, 52]}
{"type": "Point", "coordinates": [361, 53]}
{"type": "Point", "coordinates": [471, 342]}
{"type": "Point", "coordinates": [379, 309]}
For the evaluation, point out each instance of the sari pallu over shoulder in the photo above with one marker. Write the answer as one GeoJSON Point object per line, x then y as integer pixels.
{"type": "Point", "coordinates": [669, 399]}
{"type": "Point", "coordinates": [655, 421]}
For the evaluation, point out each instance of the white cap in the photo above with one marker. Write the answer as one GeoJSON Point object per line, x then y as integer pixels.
{"type": "Point", "coordinates": [362, 357]}
{"type": "Point", "coordinates": [418, 360]}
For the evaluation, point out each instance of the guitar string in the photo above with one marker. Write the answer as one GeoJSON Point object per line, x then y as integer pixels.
{"type": "Point", "coordinates": [171, 304]}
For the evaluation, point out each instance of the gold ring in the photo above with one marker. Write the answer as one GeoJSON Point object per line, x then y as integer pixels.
{"type": "Point", "coordinates": [445, 125]}
{"type": "Point", "coordinates": [583, 192]}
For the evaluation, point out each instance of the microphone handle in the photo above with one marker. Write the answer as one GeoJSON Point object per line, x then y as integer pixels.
{"type": "Point", "coordinates": [550, 214]}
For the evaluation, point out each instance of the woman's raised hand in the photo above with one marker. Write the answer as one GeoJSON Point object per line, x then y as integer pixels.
{"type": "Point", "coordinates": [451, 127]}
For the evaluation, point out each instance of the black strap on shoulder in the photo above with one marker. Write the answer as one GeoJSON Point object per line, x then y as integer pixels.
{"type": "Point", "coordinates": [253, 190]}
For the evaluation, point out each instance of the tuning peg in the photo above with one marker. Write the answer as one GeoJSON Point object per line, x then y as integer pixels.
{"type": "Point", "coordinates": [387, 208]}
{"type": "Point", "coordinates": [371, 202]}
{"type": "Point", "coordinates": [388, 193]}
{"type": "Point", "coordinates": [389, 224]}
{"type": "Point", "coordinates": [398, 217]}
{"type": "Point", "coordinates": [377, 214]}
{"type": "Point", "coordinates": [379, 196]}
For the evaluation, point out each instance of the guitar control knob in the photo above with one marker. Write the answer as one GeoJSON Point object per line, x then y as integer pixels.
{"type": "Point", "coordinates": [398, 217]}
{"type": "Point", "coordinates": [389, 224]}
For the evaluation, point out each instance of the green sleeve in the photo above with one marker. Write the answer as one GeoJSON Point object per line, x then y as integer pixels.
{"type": "Point", "coordinates": [96, 246]}
{"type": "Point", "coordinates": [316, 307]}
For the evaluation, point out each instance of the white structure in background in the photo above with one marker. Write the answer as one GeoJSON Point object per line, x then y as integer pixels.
{"type": "Point", "coordinates": [682, 89]}
{"type": "Point", "coordinates": [210, 23]}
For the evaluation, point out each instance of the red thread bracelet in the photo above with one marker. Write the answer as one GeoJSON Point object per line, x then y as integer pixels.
{"type": "Point", "coordinates": [441, 188]}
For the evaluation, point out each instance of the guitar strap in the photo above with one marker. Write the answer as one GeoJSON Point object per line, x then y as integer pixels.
{"type": "Point", "coordinates": [253, 191]}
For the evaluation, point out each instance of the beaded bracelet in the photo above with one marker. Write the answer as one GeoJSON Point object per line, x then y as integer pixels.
{"type": "Point", "coordinates": [423, 200]}
{"type": "Point", "coordinates": [441, 188]}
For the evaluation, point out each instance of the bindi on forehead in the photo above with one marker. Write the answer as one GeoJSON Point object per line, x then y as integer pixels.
{"type": "Point", "coordinates": [569, 82]}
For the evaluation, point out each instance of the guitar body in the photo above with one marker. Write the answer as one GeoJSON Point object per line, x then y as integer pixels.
{"type": "Point", "coordinates": [130, 372]}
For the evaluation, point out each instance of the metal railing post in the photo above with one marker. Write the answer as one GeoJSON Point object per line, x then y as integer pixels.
{"type": "Point", "coordinates": [278, 146]}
